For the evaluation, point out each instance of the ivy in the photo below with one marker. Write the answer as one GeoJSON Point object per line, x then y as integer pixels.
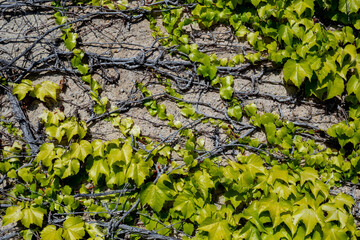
{"type": "Point", "coordinates": [45, 89]}
{"type": "Point", "coordinates": [279, 191]}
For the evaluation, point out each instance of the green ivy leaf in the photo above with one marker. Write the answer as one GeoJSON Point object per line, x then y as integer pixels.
{"type": "Point", "coordinates": [250, 109]}
{"type": "Point", "coordinates": [70, 41]}
{"type": "Point", "coordinates": [255, 2]}
{"type": "Point", "coordinates": [203, 182]}
{"type": "Point", "coordinates": [188, 111]}
{"type": "Point", "coordinates": [53, 118]}
{"type": "Point", "coordinates": [333, 232]}
{"type": "Point", "coordinates": [253, 57]}
{"type": "Point", "coordinates": [217, 230]}
{"type": "Point", "coordinates": [184, 203]}
{"type": "Point", "coordinates": [275, 208]}
{"type": "Point", "coordinates": [27, 234]}
{"type": "Point", "coordinates": [270, 130]}
{"type": "Point", "coordinates": [46, 89]}
{"type": "Point", "coordinates": [154, 196]}
{"type": "Point", "coordinates": [80, 150]}
{"type": "Point", "coordinates": [73, 228]}
{"type": "Point", "coordinates": [301, 5]}
{"type": "Point", "coordinates": [308, 174]}
{"type": "Point", "coordinates": [342, 200]}
{"type": "Point", "coordinates": [235, 112]}
{"type": "Point", "coordinates": [138, 171]}
{"type": "Point", "coordinates": [26, 175]}
{"type": "Point", "coordinates": [249, 231]}
{"type": "Point", "coordinates": [252, 38]}
{"type": "Point", "coordinates": [73, 127]}
{"type": "Point", "coordinates": [13, 214]}
{"type": "Point", "coordinates": [335, 87]}
{"type": "Point", "coordinates": [309, 217]}
{"type": "Point", "coordinates": [297, 71]}
{"type": "Point", "coordinates": [126, 152]}
{"type": "Point", "coordinates": [227, 81]}
{"type": "Point", "coordinates": [59, 20]}
{"type": "Point", "coordinates": [286, 34]}
{"type": "Point", "coordinates": [242, 31]}
{"type": "Point", "coordinates": [348, 50]}
{"type": "Point", "coordinates": [46, 154]}
{"type": "Point", "coordinates": [320, 187]}
{"type": "Point", "coordinates": [277, 172]}
{"type": "Point", "coordinates": [83, 68]}
{"type": "Point", "coordinates": [349, 6]}
{"type": "Point", "coordinates": [255, 165]}
{"type": "Point", "coordinates": [94, 230]}
{"type": "Point", "coordinates": [353, 86]}
{"type": "Point", "coordinates": [22, 89]}
{"type": "Point", "coordinates": [188, 228]}
{"type": "Point", "coordinates": [99, 166]}
{"type": "Point", "coordinates": [66, 167]}
{"type": "Point", "coordinates": [98, 148]}
{"type": "Point", "coordinates": [33, 215]}
{"type": "Point", "coordinates": [283, 190]}
{"type": "Point", "coordinates": [50, 232]}
{"type": "Point", "coordinates": [288, 220]}
{"type": "Point", "coordinates": [126, 125]}
{"type": "Point", "coordinates": [56, 132]}
{"type": "Point", "coordinates": [335, 214]}
{"type": "Point", "coordinates": [226, 92]}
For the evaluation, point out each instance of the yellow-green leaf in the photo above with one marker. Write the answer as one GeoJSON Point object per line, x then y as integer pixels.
{"type": "Point", "coordinates": [50, 232]}
{"type": "Point", "coordinates": [46, 154]}
{"type": "Point", "coordinates": [73, 127]}
{"type": "Point", "coordinates": [353, 86]}
{"type": "Point", "coordinates": [335, 87]}
{"type": "Point", "coordinates": [297, 71]}
{"type": "Point", "coordinates": [309, 217]}
{"type": "Point", "coordinates": [46, 89]}
{"type": "Point", "coordinates": [99, 166]}
{"type": "Point", "coordinates": [56, 132]}
{"type": "Point", "coordinates": [308, 174]}
{"type": "Point", "coordinates": [153, 196]}
{"type": "Point", "coordinates": [138, 171]}
{"type": "Point", "coordinates": [80, 150]}
{"type": "Point", "coordinates": [33, 215]}
{"type": "Point", "coordinates": [13, 214]}
{"type": "Point", "coordinates": [22, 89]}
{"type": "Point", "coordinates": [349, 6]}
{"type": "Point", "coordinates": [73, 228]}
{"type": "Point", "coordinates": [217, 230]}
{"type": "Point", "coordinates": [301, 5]}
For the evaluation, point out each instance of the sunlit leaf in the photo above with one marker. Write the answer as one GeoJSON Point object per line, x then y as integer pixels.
{"type": "Point", "coordinates": [46, 89]}
{"type": "Point", "coordinates": [50, 232]}
{"type": "Point", "coordinates": [22, 89]}
{"type": "Point", "coordinates": [349, 6]}
{"type": "Point", "coordinates": [80, 150]}
{"type": "Point", "coordinates": [73, 228]}
{"type": "Point", "coordinates": [297, 71]}
{"type": "Point", "coordinates": [138, 171]}
{"type": "Point", "coordinates": [46, 154]}
{"type": "Point", "coordinates": [217, 230]}
{"type": "Point", "coordinates": [301, 5]}
{"type": "Point", "coordinates": [33, 215]}
{"type": "Point", "coordinates": [308, 174]}
{"type": "Point", "coordinates": [13, 214]}
{"type": "Point", "coordinates": [99, 166]}
{"type": "Point", "coordinates": [154, 196]}
{"type": "Point", "coordinates": [185, 204]}
{"type": "Point", "coordinates": [309, 217]}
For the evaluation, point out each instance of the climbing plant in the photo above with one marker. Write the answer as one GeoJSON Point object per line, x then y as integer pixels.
{"type": "Point", "coordinates": [69, 185]}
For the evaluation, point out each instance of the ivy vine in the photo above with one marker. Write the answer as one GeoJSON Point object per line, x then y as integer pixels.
{"type": "Point", "coordinates": [137, 187]}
